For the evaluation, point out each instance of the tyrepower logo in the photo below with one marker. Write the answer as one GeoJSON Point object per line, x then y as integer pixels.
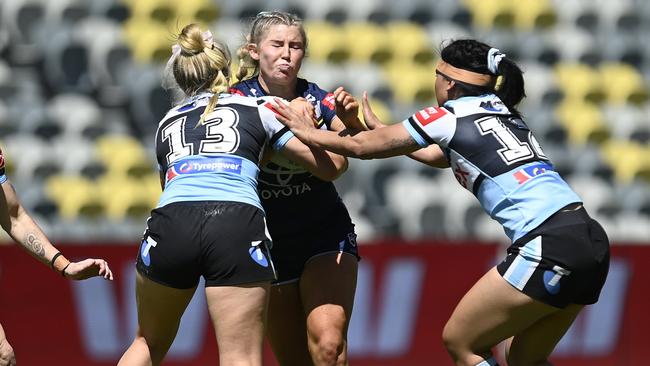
{"type": "Point", "coordinates": [430, 114]}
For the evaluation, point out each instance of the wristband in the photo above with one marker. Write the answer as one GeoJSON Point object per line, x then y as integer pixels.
{"type": "Point", "coordinates": [54, 259]}
{"type": "Point", "coordinates": [64, 268]}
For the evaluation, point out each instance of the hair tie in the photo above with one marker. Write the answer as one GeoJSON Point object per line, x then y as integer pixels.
{"type": "Point", "coordinates": [494, 58]}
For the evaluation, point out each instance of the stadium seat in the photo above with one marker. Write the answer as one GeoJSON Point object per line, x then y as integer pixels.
{"type": "Point", "coordinates": [367, 42]}
{"type": "Point", "coordinates": [444, 31]}
{"type": "Point", "coordinates": [74, 196]}
{"type": "Point", "coordinates": [583, 122]}
{"type": "Point", "coordinates": [162, 11]}
{"type": "Point", "coordinates": [534, 14]}
{"type": "Point", "coordinates": [203, 12]}
{"type": "Point", "coordinates": [66, 62]}
{"type": "Point", "coordinates": [125, 197]}
{"type": "Point", "coordinates": [109, 57]}
{"type": "Point", "coordinates": [65, 11]}
{"type": "Point", "coordinates": [149, 101]}
{"type": "Point", "coordinates": [75, 112]}
{"type": "Point", "coordinates": [629, 160]}
{"type": "Point", "coordinates": [149, 41]}
{"type": "Point", "coordinates": [327, 43]}
{"type": "Point", "coordinates": [116, 11]}
{"type": "Point", "coordinates": [624, 120]}
{"type": "Point", "coordinates": [411, 83]}
{"type": "Point", "coordinates": [24, 21]}
{"type": "Point", "coordinates": [410, 42]}
{"type": "Point", "coordinates": [573, 44]}
{"type": "Point", "coordinates": [491, 13]}
{"type": "Point", "coordinates": [408, 211]}
{"type": "Point", "coordinates": [579, 83]}
{"type": "Point", "coordinates": [124, 156]}
{"type": "Point", "coordinates": [624, 84]}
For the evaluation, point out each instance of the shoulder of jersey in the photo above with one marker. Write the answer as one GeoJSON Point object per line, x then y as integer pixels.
{"type": "Point", "coordinates": [490, 104]}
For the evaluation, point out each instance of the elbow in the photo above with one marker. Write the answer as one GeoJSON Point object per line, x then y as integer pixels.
{"type": "Point", "coordinates": [335, 171]}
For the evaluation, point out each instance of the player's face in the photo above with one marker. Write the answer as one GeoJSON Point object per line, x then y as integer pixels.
{"type": "Point", "coordinates": [280, 54]}
{"type": "Point", "coordinates": [442, 89]}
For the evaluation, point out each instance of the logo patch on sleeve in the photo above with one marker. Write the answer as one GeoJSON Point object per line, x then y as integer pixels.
{"type": "Point", "coordinates": [429, 115]}
{"type": "Point", "coordinates": [328, 101]}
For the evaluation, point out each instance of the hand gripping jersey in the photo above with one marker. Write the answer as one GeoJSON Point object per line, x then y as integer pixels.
{"type": "Point", "coordinates": [3, 177]}
{"type": "Point", "coordinates": [301, 200]}
{"type": "Point", "coordinates": [494, 155]}
{"type": "Point", "coordinates": [216, 161]}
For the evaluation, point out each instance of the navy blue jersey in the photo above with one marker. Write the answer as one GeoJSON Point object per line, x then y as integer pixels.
{"type": "Point", "coordinates": [294, 199]}
{"type": "Point", "coordinates": [217, 160]}
{"type": "Point", "coordinates": [494, 155]}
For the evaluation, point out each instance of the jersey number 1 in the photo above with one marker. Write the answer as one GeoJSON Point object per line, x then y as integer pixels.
{"type": "Point", "coordinates": [513, 150]}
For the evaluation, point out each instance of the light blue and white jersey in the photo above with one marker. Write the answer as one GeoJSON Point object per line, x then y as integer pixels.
{"type": "Point", "coordinates": [494, 155]}
{"type": "Point", "coordinates": [217, 160]}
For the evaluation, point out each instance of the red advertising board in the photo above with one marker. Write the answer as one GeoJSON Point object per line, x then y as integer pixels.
{"type": "Point", "coordinates": [405, 294]}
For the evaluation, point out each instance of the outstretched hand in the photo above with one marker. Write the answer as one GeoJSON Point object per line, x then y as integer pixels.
{"type": "Point", "coordinates": [347, 109]}
{"type": "Point", "coordinates": [88, 268]}
{"type": "Point", "coordinates": [369, 116]}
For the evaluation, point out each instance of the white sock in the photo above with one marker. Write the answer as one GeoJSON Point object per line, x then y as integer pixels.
{"type": "Point", "coordinates": [489, 362]}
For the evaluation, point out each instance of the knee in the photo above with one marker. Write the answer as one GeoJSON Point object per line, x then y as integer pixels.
{"type": "Point", "coordinates": [156, 350]}
{"type": "Point", "coordinates": [326, 348]}
{"type": "Point", "coordinates": [452, 341]}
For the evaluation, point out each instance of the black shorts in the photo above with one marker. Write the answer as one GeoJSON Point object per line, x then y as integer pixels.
{"type": "Point", "coordinates": [291, 254]}
{"type": "Point", "coordinates": [225, 242]}
{"type": "Point", "coordinates": [563, 261]}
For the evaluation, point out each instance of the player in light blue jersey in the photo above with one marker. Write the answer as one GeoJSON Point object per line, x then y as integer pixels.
{"type": "Point", "coordinates": [17, 222]}
{"type": "Point", "coordinates": [559, 257]}
{"type": "Point", "coordinates": [209, 222]}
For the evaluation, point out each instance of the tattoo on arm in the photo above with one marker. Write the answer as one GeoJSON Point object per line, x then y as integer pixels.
{"type": "Point", "coordinates": [34, 244]}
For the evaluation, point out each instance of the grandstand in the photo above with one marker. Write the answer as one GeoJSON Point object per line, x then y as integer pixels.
{"type": "Point", "coordinates": [80, 98]}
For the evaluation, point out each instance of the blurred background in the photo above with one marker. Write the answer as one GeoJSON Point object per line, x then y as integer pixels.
{"type": "Point", "coordinates": [80, 99]}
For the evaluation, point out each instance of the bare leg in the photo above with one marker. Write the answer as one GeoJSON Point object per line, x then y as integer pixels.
{"type": "Point", "coordinates": [287, 328]}
{"type": "Point", "coordinates": [490, 312]}
{"type": "Point", "coordinates": [238, 314]}
{"type": "Point", "coordinates": [159, 314]}
{"type": "Point", "coordinates": [327, 289]}
{"type": "Point", "coordinates": [534, 345]}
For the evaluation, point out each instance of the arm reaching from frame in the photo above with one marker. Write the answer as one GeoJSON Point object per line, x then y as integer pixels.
{"type": "Point", "coordinates": [21, 227]}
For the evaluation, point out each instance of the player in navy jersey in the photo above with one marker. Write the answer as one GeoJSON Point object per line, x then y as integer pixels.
{"type": "Point", "coordinates": [559, 257]}
{"type": "Point", "coordinates": [314, 241]}
{"type": "Point", "coordinates": [209, 222]}
{"type": "Point", "coordinates": [17, 222]}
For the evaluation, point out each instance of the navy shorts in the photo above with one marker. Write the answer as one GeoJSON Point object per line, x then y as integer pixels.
{"type": "Point", "coordinates": [563, 261]}
{"type": "Point", "coordinates": [291, 254]}
{"type": "Point", "coordinates": [225, 242]}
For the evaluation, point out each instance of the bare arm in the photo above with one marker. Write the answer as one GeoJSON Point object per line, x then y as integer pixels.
{"type": "Point", "coordinates": [384, 142]}
{"type": "Point", "coordinates": [431, 155]}
{"type": "Point", "coordinates": [22, 228]}
{"type": "Point", "coordinates": [321, 163]}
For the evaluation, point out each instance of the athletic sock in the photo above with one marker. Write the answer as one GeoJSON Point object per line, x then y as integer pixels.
{"type": "Point", "coordinates": [489, 362]}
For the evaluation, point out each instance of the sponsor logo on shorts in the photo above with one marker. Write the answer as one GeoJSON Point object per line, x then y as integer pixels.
{"type": "Point", "coordinates": [552, 279]}
{"type": "Point", "coordinates": [257, 254]}
{"type": "Point", "coordinates": [352, 238]}
{"type": "Point", "coordinates": [145, 247]}
{"type": "Point", "coordinates": [192, 166]}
